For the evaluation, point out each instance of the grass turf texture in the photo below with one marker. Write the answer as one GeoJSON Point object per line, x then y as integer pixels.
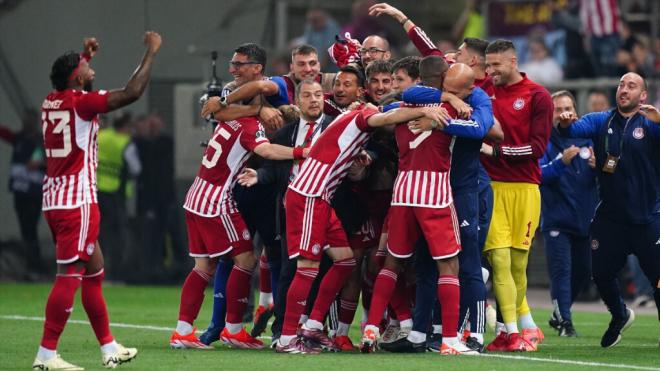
{"type": "Point", "coordinates": [158, 307]}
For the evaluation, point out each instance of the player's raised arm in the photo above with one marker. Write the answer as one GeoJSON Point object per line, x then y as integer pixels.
{"type": "Point", "coordinates": [140, 78]}
{"type": "Point", "coordinates": [272, 151]}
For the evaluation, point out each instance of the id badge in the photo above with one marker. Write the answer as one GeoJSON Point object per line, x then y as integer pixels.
{"type": "Point", "coordinates": [610, 164]}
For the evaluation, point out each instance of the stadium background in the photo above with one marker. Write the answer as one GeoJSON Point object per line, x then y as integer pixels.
{"type": "Point", "coordinates": [34, 32]}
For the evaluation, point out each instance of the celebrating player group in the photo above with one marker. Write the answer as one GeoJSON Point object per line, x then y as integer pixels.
{"type": "Point", "coordinates": [397, 187]}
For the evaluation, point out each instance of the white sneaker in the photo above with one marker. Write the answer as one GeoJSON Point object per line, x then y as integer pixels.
{"type": "Point", "coordinates": [391, 334]}
{"type": "Point", "coordinates": [55, 363]}
{"type": "Point", "coordinates": [457, 349]}
{"type": "Point", "coordinates": [122, 355]}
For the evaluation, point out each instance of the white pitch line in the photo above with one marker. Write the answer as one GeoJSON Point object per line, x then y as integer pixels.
{"type": "Point", "coordinates": [569, 362]}
{"type": "Point", "coordinates": [520, 358]}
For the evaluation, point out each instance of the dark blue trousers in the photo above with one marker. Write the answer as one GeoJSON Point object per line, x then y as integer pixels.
{"type": "Point", "coordinates": [569, 267]}
{"type": "Point", "coordinates": [611, 243]}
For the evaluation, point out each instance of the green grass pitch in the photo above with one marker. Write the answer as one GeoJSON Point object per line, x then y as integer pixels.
{"type": "Point", "coordinates": [142, 316]}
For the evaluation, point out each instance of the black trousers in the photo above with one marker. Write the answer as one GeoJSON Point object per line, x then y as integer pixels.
{"type": "Point", "coordinates": [28, 211]}
{"type": "Point", "coordinates": [611, 243]}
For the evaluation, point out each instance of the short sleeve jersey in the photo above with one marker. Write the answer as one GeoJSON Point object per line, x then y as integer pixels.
{"type": "Point", "coordinates": [70, 129]}
{"type": "Point", "coordinates": [229, 148]}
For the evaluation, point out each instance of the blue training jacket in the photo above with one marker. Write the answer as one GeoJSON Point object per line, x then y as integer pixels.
{"type": "Point", "coordinates": [631, 194]}
{"type": "Point", "coordinates": [568, 193]}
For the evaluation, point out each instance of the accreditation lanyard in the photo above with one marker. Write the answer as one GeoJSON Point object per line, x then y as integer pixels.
{"type": "Point", "coordinates": [611, 162]}
{"type": "Point", "coordinates": [621, 139]}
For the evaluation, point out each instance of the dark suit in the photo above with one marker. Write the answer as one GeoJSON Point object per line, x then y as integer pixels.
{"type": "Point", "coordinates": [278, 173]}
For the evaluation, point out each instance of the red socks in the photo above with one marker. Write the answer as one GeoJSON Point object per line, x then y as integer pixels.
{"type": "Point", "coordinates": [94, 304]}
{"type": "Point", "coordinates": [296, 298]}
{"type": "Point", "coordinates": [192, 295]}
{"type": "Point", "coordinates": [264, 275]}
{"type": "Point", "coordinates": [449, 295]}
{"type": "Point", "coordinates": [332, 282]}
{"type": "Point", "coordinates": [400, 301]}
{"type": "Point", "coordinates": [238, 290]}
{"type": "Point", "coordinates": [347, 311]}
{"type": "Point", "coordinates": [383, 290]}
{"type": "Point", "coordinates": [58, 308]}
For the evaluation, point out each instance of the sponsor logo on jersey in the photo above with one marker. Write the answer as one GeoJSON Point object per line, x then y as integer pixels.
{"type": "Point", "coordinates": [518, 104]}
{"type": "Point", "coordinates": [594, 244]}
{"type": "Point", "coordinates": [638, 133]}
{"type": "Point", "coordinates": [465, 223]}
{"type": "Point", "coordinates": [246, 234]}
{"type": "Point", "coordinates": [316, 249]}
{"type": "Point", "coordinates": [90, 249]}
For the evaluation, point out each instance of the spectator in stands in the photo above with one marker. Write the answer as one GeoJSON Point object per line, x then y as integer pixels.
{"type": "Point", "coordinates": [601, 23]}
{"type": "Point", "coordinates": [320, 31]}
{"type": "Point", "coordinates": [26, 175]}
{"type": "Point", "coordinates": [541, 67]}
{"type": "Point", "coordinates": [470, 23]}
{"type": "Point", "coordinates": [598, 101]}
{"type": "Point", "coordinates": [157, 205]}
{"type": "Point", "coordinates": [567, 18]}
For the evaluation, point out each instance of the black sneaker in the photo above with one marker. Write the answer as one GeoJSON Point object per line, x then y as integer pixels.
{"type": "Point", "coordinates": [404, 345]}
{"type": "Point", "coordinates": [434, 343]}
{"type": "Point", "coordinates": [212, 334]}
{"type": "Point", "coordinates": [474, 344]}
{"type": "Point", "coordinates": [617, 325]}
{"type": "Point", "coordinates": [554, 322]}
{"type": "Point", "coordinates": [566, 329]}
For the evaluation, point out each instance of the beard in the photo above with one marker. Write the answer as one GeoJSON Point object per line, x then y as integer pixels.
{"type": "Point", "coordinates": [87, 86]}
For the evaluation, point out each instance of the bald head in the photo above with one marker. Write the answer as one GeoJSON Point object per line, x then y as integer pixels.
{"type": "Point", "coordinates": [374, 47]}
{"type": "Point", "coordinates": [432, 70]}
{"type": "Point", "coordinates": [630, 93]}
{"type": "Point", "coordinates": [459, 80]}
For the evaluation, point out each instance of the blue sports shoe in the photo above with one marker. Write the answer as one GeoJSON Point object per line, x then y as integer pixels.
{"type": "Point", "coordinates": [212, 334]}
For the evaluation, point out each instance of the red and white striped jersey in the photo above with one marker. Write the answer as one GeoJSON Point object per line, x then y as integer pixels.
{"type": "Point", "coordinates": [70, 129]}
{"type": "Point", "coordinates": [424, 163]}
{"type": "Point", "coordinates": [600, 17]}
{"type": "Point", "coordinates": [230, 146]}
{"type": "Point", "coordinates": [332, 154]}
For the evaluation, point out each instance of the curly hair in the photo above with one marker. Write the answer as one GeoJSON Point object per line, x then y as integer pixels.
{"type": "Point", "coordinates": [62, 69]}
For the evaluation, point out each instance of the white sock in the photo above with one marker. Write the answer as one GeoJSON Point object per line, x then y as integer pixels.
{"type": "Point", "coordinates": [437, 329]}
{"type": "Point", "coordinates": [109, 348]}
{"type": "Point", "coordinates": [478, 336]}
{"type": "Point", "coordinates": [527, 322]}
{"type": "Point", "coordinates": [303, 318]}
{"type": "Point", "coordinates": [184, 328]}
{"type": "Point", "coordinates": [511, 328]}
{"type": "Point", "coordinates": [407, 323]}
{"type": "Point", "coordinates": [286, 339]}
{"type": "Point", "coordinates": [46, 354]}
{"type": "Point", "coordinates": [311, 324]}
{"type": "Point", "coordinates": [499, 327]}
{"type": "Point", "coordinates": [450, 341]}
{"type": "Point", "coordinates": [265, 299]}
{"type": "Point", "coordinates": [342, 329]}
{"type": "Point", "coordinates": [394, 322]}
{"type": "Point", "coordinates": [416, 337]}
{"type": "Point", "coordinates": [234, 328]}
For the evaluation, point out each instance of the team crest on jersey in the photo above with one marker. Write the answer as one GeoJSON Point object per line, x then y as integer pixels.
{"type": "Point", "coordinates": [638, 133]}
{"type": "Point", "coordinates": [246, 234]}
{"type": "Point", "coordinates": [518, 104]}
{"type": "Point", "coordinates": [316, 249]}
{"type": "Point", "coordinates": [90, 249]}
{"type": "Point", "coordinates": [594, 244]}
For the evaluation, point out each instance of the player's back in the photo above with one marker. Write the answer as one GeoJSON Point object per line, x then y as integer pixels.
{"type": "Point", "coordinates": [424, 162]}
{"type": "Point", "coordinates": [425, 150]}
{"type": "Point", "coordinates": [332, 154]}
{"type": "Point", "coordinates": [225, 156]}
{"type": "Point", "coordinates": [70, 129]}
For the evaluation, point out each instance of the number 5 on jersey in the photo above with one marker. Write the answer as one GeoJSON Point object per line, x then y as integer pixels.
{"type": "Point", "coordinates": [213, 143]}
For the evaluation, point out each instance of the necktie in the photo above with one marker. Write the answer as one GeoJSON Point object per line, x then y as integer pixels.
{"type": "Point", "coordinates": [308, 136]}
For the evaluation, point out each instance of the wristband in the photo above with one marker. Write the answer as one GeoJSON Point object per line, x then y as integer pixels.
{"type": "Point", "coordinates": [298, 153]}
{"type": "Point", "coordinates": [403, 22]}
